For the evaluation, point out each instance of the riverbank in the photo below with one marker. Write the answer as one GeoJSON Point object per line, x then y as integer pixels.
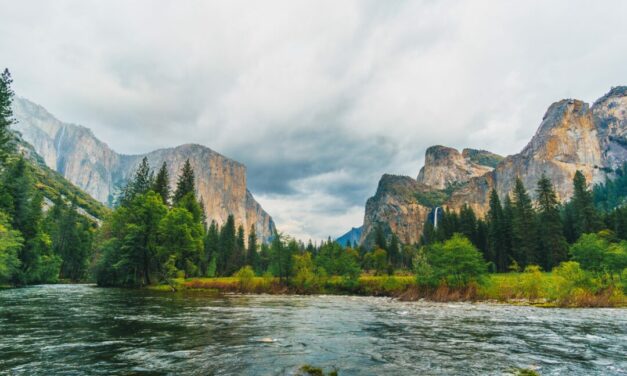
{"type": "Point", "coordinates": [538, 289]}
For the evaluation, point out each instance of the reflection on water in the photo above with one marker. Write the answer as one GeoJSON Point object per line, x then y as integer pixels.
{"type": "Point", "coordinates": [78, 329]}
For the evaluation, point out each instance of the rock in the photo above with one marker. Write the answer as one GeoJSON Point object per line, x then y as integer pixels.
{"type": "Point", "coordinates": [89, 163]}
{"type": "Point", "coordinates": [572, 136]}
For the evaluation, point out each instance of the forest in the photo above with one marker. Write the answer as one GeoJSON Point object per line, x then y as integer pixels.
{"type": "Point", "coordinates": [154, 236]}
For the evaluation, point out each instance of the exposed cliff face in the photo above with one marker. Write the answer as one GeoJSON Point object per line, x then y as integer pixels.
{"type": "Point", "coordinates": [572, 136]}
{"type": "Point", "coordinates": [90, 164]}
{"type": "Point", "coordinates": [445, 166]}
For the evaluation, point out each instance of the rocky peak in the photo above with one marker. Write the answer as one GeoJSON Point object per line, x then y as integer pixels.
{"type": "Point", "coordinates": [89, 163]}
{"type": "Point", "coordinates": [445, 166]}
{"type": "Point", "coordinates": [610, 116]}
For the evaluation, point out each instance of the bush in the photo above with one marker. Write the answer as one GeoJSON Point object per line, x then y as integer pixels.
{"type": "Point", "coordinates": [245, 278]}
{"type": "Point", "coordinates": [456, 263]}
{"type": "Point", "coordinates": [531, 282]}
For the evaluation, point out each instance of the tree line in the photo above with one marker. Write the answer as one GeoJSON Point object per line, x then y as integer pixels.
{"type": "Point", "coordinates": [518, 232]}
{"type": "Point", "coordinates": [40, 241]}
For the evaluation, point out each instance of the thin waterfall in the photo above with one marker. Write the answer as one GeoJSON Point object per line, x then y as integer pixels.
{"type": "Point", "coordinates": [435, 217]}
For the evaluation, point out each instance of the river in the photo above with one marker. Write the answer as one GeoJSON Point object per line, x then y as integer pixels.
{"type": "Point", "coordinates": [85, 330]}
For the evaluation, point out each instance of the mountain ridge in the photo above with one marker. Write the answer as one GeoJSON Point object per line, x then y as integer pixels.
{"type": "Point", "coordinates": [571, 136]}
{"type": "Point", "coordinates": [89, 163]}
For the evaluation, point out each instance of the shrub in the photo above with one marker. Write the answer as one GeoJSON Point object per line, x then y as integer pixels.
{"type": "Point", "coordinates": [456, 262]}
{"type": "Point", "coordinates": [531, 282]}
{"type": "Point", "coordinates": [245, 278]}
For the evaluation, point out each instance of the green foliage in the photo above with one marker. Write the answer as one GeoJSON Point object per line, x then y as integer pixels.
{"type": "Point", "coordinates": [161, 184]}
{"type": "Point", "coordinates": [524, 243]}
{"type": "Point", "coordinates": [6, 115]}
{"type": "Point", "coordinates": [11, 242]}
{"type": "Point", "coordinates": [185, 184]}
{"type": "Point", "coordinates": [597, 254]}
{"type": "Point", "coordinates": [245, 277]}
{"type": "Point", "coordinates": [551, 240]}
{"type": "Point", "coordinates": [456, 262]}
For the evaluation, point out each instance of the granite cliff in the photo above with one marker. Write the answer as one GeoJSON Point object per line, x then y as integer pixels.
{"type": "Point", "coordinates": [572, 136]}
{"type": "Point", "coordinates": [84, 160]}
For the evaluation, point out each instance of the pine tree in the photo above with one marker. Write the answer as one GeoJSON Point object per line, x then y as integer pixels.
{"type": "Point", "coordinates": [252, 257]}
{"type": "Point", "coordinates": [162, 183]}
{"type": "Point", "coordinates": [507, 229]}
{"type": "Point", "coordinates": [379, 238]}
{"type": "Point", "coordinates": [142, 182]}
{"type": "Point", "coordinates": [496, 241]}
{"type": "Point", "coordinates": [551, 241]}
{"type": "Point", "coordinates": [185, 183]}
{"type": "Point", "coordinates": [6, 115]}
{"type": "Point", "coordinates": [468, 223]}
{"type": "Point", "coordinates": [523, 227]}
{"type": "Point", "coordinates": [394, 252]}
{"type": "Point", "coordinates": [227, 245]}
{"type": "Point", "coordinates": [586, 218]}
{"type": "Point", "coordinates": [212, 244]}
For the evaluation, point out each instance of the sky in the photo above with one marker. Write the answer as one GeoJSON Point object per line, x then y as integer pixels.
{"type": "Point", "coordinates": [317, 98]}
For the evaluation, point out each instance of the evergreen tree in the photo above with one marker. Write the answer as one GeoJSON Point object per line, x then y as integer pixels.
{"type": "Point", "coordinates": [142, 182]}
{"type": "Point", "coordinates": [496, 235]}
{"type": "Point", "coordinates": [252, 257]}
{"type": "Point", "coordinates": [523, 227]}
{"type": "Point", "coordinates": [226, 248]}
{"type": "Point", "coordinates": [162, 183]}
{"type": "Point", "coordinates": [394, 253]}
{"type": "Point", "coordinates": [185, 183]}
{"type": "Point", "coordinates": [586, 218]}
{"type": "Point", "coordinates": [551, 241]}
{"type": "Point", "coordinates": [507, 228]}
{"type": "Point", "coordinates": [468, 223]}
{"type": "Point", "coordinates": [379, 238]}
{"type": "Point", "coordinates": [6, 115]}
{"type": "Point", "coordinates": [212, 242]}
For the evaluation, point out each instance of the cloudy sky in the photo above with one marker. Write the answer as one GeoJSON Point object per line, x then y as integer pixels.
{"type": "Point", "coordinates": [317, 98]}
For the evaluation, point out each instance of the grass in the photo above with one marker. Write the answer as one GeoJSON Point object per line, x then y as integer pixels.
{"type": "Point", "coordinates": [531, 288]}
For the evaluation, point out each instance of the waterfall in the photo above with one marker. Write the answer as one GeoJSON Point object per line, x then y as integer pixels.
{"type": "Point", "coordinates": [435, 217]}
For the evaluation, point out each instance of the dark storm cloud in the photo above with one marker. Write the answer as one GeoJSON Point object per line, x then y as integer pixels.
{"type": "Point", "coordinates": [317, 98]}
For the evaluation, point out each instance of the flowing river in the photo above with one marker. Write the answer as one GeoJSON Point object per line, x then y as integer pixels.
{"type": "Point", "coordinates": [85, 330]}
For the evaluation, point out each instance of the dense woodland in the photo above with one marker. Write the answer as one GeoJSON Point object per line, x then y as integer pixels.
{"type": "Point", "coordinates": [155, 236]}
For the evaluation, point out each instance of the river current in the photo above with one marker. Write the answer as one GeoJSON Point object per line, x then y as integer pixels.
{"type": "Point", "coordinates": [85, 330]}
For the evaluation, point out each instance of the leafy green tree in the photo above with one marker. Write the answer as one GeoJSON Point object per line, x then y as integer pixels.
{"type": "Point", "coordinates": [456, 262]}
{"type": "Point", "coordinates": [11, 242]}
{"type": "Point", "coordinates": [131, 242]}
{"type": "Point", "coordinates": [523, 227]}
{"type": "Point", "coordinates": [186, 183]}
{"type": "Point", "coordinates": [180, 234]}
{"type": "Point", "coordinates": [589, 251]}
{"type": "Point", "coordinates": [161, 184]}
{"type": "Point", "coordinates": [551, 241]}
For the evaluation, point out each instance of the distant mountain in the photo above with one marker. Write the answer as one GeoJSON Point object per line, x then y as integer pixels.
{"type": "Point", "coordinates": [572, 136]}
{"type": "Point", "coordinates": [74, 152]}
{"type": "Point", "coordinates": [54, 186]}
{"type": "Point", "coordinates": [351, 237]}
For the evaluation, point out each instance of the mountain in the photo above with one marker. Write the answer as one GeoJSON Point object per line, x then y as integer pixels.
{"type": "Point", "coordinates": [351, 237]}
{"type": "Point", "coordinates": [53, 186]}
{"type": "Point", "coordinates": [572, 136]}
{"type": "Point", "coordinates": [84, 160]}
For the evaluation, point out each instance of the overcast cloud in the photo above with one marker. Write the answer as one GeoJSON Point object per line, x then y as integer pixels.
{"type": "Point", "coordinates": [317, 98]}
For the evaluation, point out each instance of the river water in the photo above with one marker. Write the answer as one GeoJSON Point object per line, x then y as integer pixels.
{"type": "Point", "coordinates": [85, 330]}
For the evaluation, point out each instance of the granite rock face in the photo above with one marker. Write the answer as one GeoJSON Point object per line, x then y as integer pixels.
{"type": "Point", "coordinates": [572, 136]}
{"type": "Point", "coordinates": [90, 164]}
